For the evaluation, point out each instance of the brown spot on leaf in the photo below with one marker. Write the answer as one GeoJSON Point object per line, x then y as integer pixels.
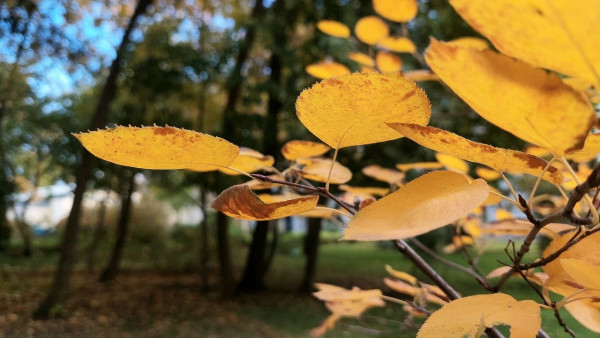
{"type": "Point", "coordinates": [164, 130]}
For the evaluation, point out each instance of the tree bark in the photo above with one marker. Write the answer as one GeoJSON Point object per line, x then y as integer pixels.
{"type": "Point", "coordinates": [252, 279]}
{"type": "Point", "coordinates": [204, 249]}
{"type": "Point", "coordinates": [98, 235]}
{"type": "Point", "coordinates": [62, 277]}
{"type": "Point", "coordinates": [311, 249]}
{"type": "Point", "coordinates": [112, 269]}
{"type": "Point", "coordinates": [226, 270]}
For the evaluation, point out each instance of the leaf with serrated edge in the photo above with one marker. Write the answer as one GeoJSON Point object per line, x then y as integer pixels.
{"type": "Point", "coordinates": [528, 102]}
{"type": "Point", "coordinates": [159, 148]}
{"type": "Point", "coordinates": [241, 203]}
{"type": "Point", "coordinates": [497, 158]}
{"type": "Point", "coordinates": [427, 203]}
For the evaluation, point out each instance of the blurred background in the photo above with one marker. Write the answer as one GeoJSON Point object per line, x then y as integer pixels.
{"type": "Point", "coordinates": [98, 249]}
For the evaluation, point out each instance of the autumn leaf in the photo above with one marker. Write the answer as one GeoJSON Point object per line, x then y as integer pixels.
{"type": "Point", "coordinates": [426, 203]}
{"type": "Point", "coordinates": [371, 29]}
{"type": "Point", "coordinates": [334, 28]}
{"type": "Point", "coordinates": [159, 148]}
{"type": "Point", "coordinates": [421, 75]}
{"type": "Point", "coordinates": [374, 191]}
{"type": "Point", "coordinates": [590, 149]}
{"type": "Point", "coordinates": [390, 176]}
{"type": "Point", "coordinates": [452, 163]}
{"type": "Point", "coordinates": [388, 62]}
{"type": "Point", "coordinates": [396, 10]}
{"type": "Point", "coordinates": [327, 69]}
{"type": "Point", "coordinates": [530, 103]}
{"type": "Point", "coordinates": [556, 34]}
{"type": "Point", "coordinates": [487, 174]}
{"type": "Point", "coordinates": [401, 275]}
{"type": "Point", "coordinates": [398, 44]}
{"type": "Point", "coordinates": [362, 59]}
{"type": "Point", "coordinates": [248, 161]}
{"type": "Point", "coordinates": [241, 203]}
{"type": "Point", "coordinates": [419, 165]}
{"type": "Point", "coordinates": [471, 42]}
{"type": "Point", "coordinates": [317, 169]}
{"type": "Point", "coordinates": [462, 317]}
{"type": "Point", "coordinates": [583, 272]}
{"type": "Point", "coordinates": [295, 149]}
{"type": "Point", "coordinates": [353, 109]}
{"type": "Point", "coordinates": [521, 227]}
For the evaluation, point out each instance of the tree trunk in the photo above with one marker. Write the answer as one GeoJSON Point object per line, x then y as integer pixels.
{"type": "Point", "coordinates": [311, 249]}
{"type": "Point", "coordinates": [98, 235]}
{"type": "Point", "coordinates": [226, 271]}
{"type": "Point", "coordinates": [204, 249]}
{"type": "Point", "coordinates": [62, 276]}
{"type": "Point", "coordinates": [112, 269]}
{"type": "Point", "coordinates": [252, 280]}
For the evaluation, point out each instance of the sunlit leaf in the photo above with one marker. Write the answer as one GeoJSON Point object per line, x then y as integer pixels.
{"type": "Point", "coordinates": [159, 148]}
{"type": "Point", "coordinates": [375, 191]}
{"type": "Point", "coordinates": [560, 35]}
{"type": "Point", "coordinates": [584, 273]}
{"type": "Point", "coordinates": [530, 103]}
{"type": "Point", "coordinates": [471, 42]}
{"type": "Point", "coordinates": [419, 165]}
{"type": "Point", "coordinates": [397, 44]}
{"type": "Point", "coordinates": [401, 275]}
{"type": "Point", "coordinates": [362, 59]}
{"type": "Point", "coordinates": [421, 75]}
{"type": "Point", "coordinates": [487, 174]}
{"type": "Point", "coordinates": [396, 10]}
{"type": "Point", "coordinates": [348, 303]}
{"type": "Point", "coordinates": [388, 62]}
{"type": "Point", "coordinates": [321, 212]}
{"type": "Point", "coordinates": [295, 149]}
{"type": "Point", "coordinates": [521, 227]}
{"type": "Point", "coordinates": [334, 28]}
{"type": "Point", "coordinates": [390, 176]}
{"type": "Point", "coordinates": [371, 29]}
{"type": "Point", "coordinates": [452, 163]}
{"type": "Point", "coordinates": [248, 160]}
{"type": "Point", "coordinates": [458, 242]}
{"type": "Point", "coordinates": [353, 109]}
{"type": "Point", "coordinates": [462, 317]}
{"type": "Point", "coordinates": [241, 203]}
{"type": "Point", "coordinates": [317, 169]}
{"type": "Point", "coordinates": [590, 149]}
{"type": "Point", "coordinates": [587, 313]}
{"type": "Point", "coordinates": [327, 69]}
{"type": "Point", "coordinates": [427, 203]}
{"type": "Point", "coordinates": [503, 214]}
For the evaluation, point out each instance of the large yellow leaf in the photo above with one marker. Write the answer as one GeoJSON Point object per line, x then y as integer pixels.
{"type": "Point", "coordinates": [361, 58]}
{"type": "Point", "coordinates": [587, 313]}
{"type": "Point", "coordinates": [427, 203]}
{"type": "Point", "coordinates": [317, 169]}
{"type": "Point", "coordinates": [462, 317]}
{"type": "Point", "coordinates": [590, 149]}
{"type": "Point", "coordinates": [334, 28]}
{"type": "Point", "coordinates": [398, 44]}
{"type": "Point", "coordinates": [241, 203]}
{"type": "Point", "coordinates": [295, 149]}
{"type": "Point", "coordinates": [396, 10]}
{"type": "Point", "coordinates": [388, 62]}
{"type": "Point", "coordinates": [528, 102]}
{"type": "Point", "coordinates": [371, 29]}
{"type": "Point", "coordinates": [561, 35]}
{"type": "Point", "coordinates": [497, 158]}
{"type": "Point", "coordinates": [353, 109]}
{"type": "Point", "coordinates": [159, 148]}
{"type": "Point", "coordinates": [248, 160]}
{"type": "Point", "coordinates": [327, 69]}
{"type": "Point", "coordinates": [583, 272]}
{"type": "Point", "coordinates": [391, 176]}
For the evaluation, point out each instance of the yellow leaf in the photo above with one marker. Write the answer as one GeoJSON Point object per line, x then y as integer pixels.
{"type": "Point", "coordinates": [367, 70]}
{"type": "Point", "coordinates": [327, 69]}
{"type": "Point", "coordinates": [462, 317]}
{"type": "Point", "coordinates": [401, 275]}
{"type": "Point", "coordinates": [159, 148]}
{"type": "Point", "coordinates": [497, 158]}
{"type": "Point", "coordinates": [458, 242]}
{"type": "Point", "coordinates": [397, 44]}
{"type": "Point", "coordinates": [317, 169]}
{"type": "Point", "coordinates": [560, 35]}
{"type": "Point", "coordinates": [582, 272]}
{"type": "Point", "coordinates": [503, 214]}
{"type": "Point", "coordinates": [320, 212]}
{"type": "Point", "coordinates": [587, 313]}
{"type": "Point", "coordinates": [419, 165]}
{"type": "Point", "coordinates": [396, 10]}
{"type": "Point", "coordinates": [241, 203]}
{"type": "Point", "coordinates": [427, 203]}
{"type": "Point", "coordinates": [390, 176]}
{"type": "Point", "coordinates": [260, 185]}
{"type": "Point", "coordinates": [362, 59]}
{"type": "Point", "coordinates": [590, 149]}
{"type": "Point", "coordinates": [353, 109]}
{"type": "Point", "coordinates": [520, 227]}
{"type": "Point", "coordinates": [371, 29]}
{"type": "Point", "coordinates": [452, 163]}
{"type": "Point", "coordinates": [293, 150]}
{"type": "Point", "coordinates": [421, 75]}
{"type": "Point", "coordinates": [375, 191]}
{"type": "Point", "coordinates": [475, 43]}
{"type": "Point", "coordinates": [388, 62]}
{"type": "Point", "coordinates": [537, 151]}
{"type": "Point", "coordinates": [348, 303]}
{"type": "Point", "coordinates": [248, 160]}
{"type": "Point", "coordinates": [487, 174]}
{"type": "Point", "coordinates": [334, 28]}
{"type": "Point", "coordinates": [530, 103]}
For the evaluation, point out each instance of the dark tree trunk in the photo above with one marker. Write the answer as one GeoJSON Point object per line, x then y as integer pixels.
{"type": "Point", "coordinates": [112, 269]}
{"type": "Point", "coordinates": [226, 271]}
{"type": "Point", "coordinates": [204, 249]}
{"type": "Point", "coordinates": [97, 236]}
{"type": "Point", "coordinates": [252, 280]}
{"type": "Point", "coordinates": [62, 277]}
{"type": "Point", "coordinates": [311, 249]}
{"type": "Point", "coordinates": [272, 248]}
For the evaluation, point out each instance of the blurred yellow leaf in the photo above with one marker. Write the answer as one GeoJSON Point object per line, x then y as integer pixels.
{"type": "Point", "coordinates": [327, 69]}
{"type": "Point", "coordinates": [458, 242]}
{"type": "Point", "coordinates": [371, 29]}
{"type": "Point", "coordinates": [587, 312]}
{"type": "Point", "coordinates": [375, 191]}
{"type": "Point", "coordinates": [159, 148]}
{"type": "Point", "coordinates": [530, 103]}
{"type": "Point", "coordinates": [353, 109]}
{"type": "Point", "coordinates": [334, 28]}
{"type": "Point", "coordinates": [427, 203]}
{"type": "Point", "coordinates": [320, 212]}
{"type": "Point", "coordinates": [248, 160]}
{"type": "Point", "coordinates": [317, 169]}
{"type": "Point", "coordinates": [396, 10]}
{"type": "Point", "coordinates": [365, 69]}
{"type": "Point", "coordinates": [388, 62]}
{"type": "Point", "coordinates": [390, 176]}
{"type": "Point", "coordinates": [452, 162]}
{"type": "Point", "coordinates": [560, 35]}
{"type": "Point", "coordinates": [471, 42]}
{"type": "Point", "coordinates": [260, 185]}
{"type": "Point", "coordinates": [590, 149]}
{"type": "Point", "coordinates": [241, 203]}
{"type": "Point", "coordinates": [421, 75]}
{"type": "Point", "coordinates": [503, 214]}
{"type": "Point", "coordinates": [362, 59]}
{"type": "Point", "coordinates": [295, 149]}
{"type": "Point", "coordinates": [398, 44]}
{"type": "Point", "coordinates": [348, 303]}
{"type": "Point", "coordinates": [419, 165]}
{"type": "Point", "coordinates": [487, 173]}
{"type": "Point", "coordinates": [401, 275]}
{"type": "Point", "coordinates": [462, 317]}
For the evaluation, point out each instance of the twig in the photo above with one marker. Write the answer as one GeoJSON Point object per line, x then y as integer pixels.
{"type": "Point", "coordinates": [561, 322]}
